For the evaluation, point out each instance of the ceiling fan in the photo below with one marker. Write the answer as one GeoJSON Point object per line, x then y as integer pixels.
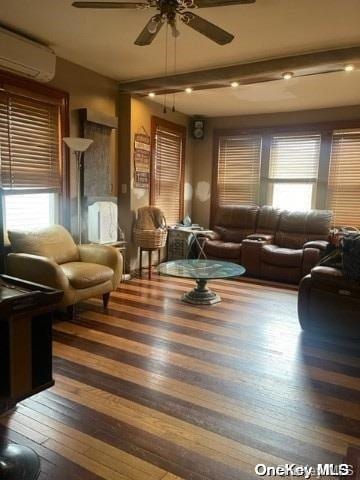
{"type": "Point", "coordinates": [168, 11]}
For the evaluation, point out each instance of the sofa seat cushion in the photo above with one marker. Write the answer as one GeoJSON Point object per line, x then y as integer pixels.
{"type": "Point", "coordinates": [85, 275]}
{"type": "Point", "coordinates": [281, 257]}
{"type": "Point", "coordinates": [219, 249]}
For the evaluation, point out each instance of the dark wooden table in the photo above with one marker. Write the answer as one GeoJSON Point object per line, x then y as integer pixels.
{"type": "Point", "coordinates": [25, 360]}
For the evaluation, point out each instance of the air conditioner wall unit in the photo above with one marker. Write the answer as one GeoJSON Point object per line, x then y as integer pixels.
{"type": "Point", "coordinates": [25, 57]}
{"type": "Point", "coordinates": [102, 222]}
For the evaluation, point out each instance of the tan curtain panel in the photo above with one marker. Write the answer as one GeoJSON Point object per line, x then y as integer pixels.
{"type": "Point", "coordinates": [29, 142]}
{"type": "Point", "coordinates": [167, 174]}
{"type": "Point", "coordinates": [238, 170]}
{"type": "Point", "coordinates": [344, 179]}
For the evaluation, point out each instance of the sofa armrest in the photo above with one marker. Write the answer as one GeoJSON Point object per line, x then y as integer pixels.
{"type": "Point", "coordinates": [36, 269]}
{"type": "Point", "coordinates": [251, 255]}
{"type": "Point", "coordinates": [261, 237]}
{"type": "Point", "coordinates": [311, 257]}
{"type": "Point", "coordinates": [319, 244]}
{"type": "Point", "coordinates": [303, 304]}
{"type": "Point", "coordinates": [103, 255]}
{"type": "Point", "coordinates": [211, 235]}
{"type": "Point", "coordinates": [331, 275]}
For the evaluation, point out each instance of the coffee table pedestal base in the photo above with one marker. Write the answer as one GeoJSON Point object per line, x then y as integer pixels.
{"type": "Point", "coordinates": [18, 463]}
{"type": "Point", "coordinates": [201, 295]}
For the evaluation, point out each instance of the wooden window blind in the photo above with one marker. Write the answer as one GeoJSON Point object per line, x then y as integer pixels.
{"type": "Point", "coordinates": [167, 183]}
{"type": "Point", "coordinates": [295, 157]}
{"type": "Point", "coordinates": [344, 178]}
{"type": "Point", "coordinates": [30, 143]}
{"type": "Point", "coordinates": [238, 170]}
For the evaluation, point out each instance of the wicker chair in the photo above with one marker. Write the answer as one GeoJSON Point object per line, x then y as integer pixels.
{"type": "Point", "coordinates": [150, 233]}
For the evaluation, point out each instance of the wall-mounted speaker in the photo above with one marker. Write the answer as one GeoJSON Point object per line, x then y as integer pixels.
{"type": "Point", "coordinates": [198, 128]}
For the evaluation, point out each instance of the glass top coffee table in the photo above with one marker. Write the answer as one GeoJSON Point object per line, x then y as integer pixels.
{"type": "Point", "coordinates": [201, 271]}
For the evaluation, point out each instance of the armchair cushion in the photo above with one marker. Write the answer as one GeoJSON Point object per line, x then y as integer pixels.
{"type": "Point", "coordinates": [54, 242]}
{"type": "Point", "coordinates": [103, 255]}
{"type": "Point", "coordinates": [281, 257]}
{"type": "Point", "coordinates": [84, 275]}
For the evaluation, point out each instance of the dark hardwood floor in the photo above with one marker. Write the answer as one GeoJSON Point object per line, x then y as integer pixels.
{"type": "Point", "coordinates": [154, 389]}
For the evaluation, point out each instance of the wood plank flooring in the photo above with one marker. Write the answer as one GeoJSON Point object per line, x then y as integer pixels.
{"type": "Point", "coordinates": [154, 389]}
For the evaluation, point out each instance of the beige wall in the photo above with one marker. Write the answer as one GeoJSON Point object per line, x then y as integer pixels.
{"type": "Point", "coordinates": [141, 113]}
{"type": "Point", "coordinates": [87, 89]}
{"type": "Point", "coordinates": [203, 149]}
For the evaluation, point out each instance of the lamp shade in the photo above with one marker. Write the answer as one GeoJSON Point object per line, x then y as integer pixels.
{"type": "Point", "coordinates": [78, 144]}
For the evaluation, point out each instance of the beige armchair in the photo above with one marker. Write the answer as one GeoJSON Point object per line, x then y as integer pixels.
{"type": "Point", "coordinates": [51, 257]}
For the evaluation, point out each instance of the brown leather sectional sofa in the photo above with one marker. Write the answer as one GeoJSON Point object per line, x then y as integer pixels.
{"type": "Point", "coordinates": [270, 243]}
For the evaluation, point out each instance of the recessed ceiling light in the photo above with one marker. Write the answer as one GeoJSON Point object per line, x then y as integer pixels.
{"type": "Point", "coordinates": [188, 90]}
{"type": "Point", "coordinates": [349, 68]}
{"type": "Point", "coordinates": [234, 84]}
{"type": "Point", "coordinates": [287, 75]}
{"type": "Point", "coordinates": [151, 94]}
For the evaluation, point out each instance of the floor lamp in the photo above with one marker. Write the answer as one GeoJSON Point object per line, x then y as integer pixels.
{"type": "Point", "coordinates": [78, 146]}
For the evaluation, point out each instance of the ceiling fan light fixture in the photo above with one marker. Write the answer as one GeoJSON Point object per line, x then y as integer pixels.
{"type": "Point", "coordinates": [188, 90]}
{"type": "Point", "coordinates": [287, 75]}
{"type": "Point", "coordinates": [234, 84]}
{"type": "Point", "coordinates": [349, 68]}
{"type": "Point", "coordinates": [153, 25]}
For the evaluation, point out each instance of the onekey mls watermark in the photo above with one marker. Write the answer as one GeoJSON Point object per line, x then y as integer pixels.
{"type": "Point", "coordinates": [305, 471]}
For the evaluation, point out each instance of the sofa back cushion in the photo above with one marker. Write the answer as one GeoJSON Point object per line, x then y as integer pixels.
{"type": "Point", "coordinates": [54, 242]}
{"type": "Point", "coordinates": [235, 222]}
{"type": "Point", "coordinates": [268, 220]}
{"type": "Point", "coordinates": [297, 228]}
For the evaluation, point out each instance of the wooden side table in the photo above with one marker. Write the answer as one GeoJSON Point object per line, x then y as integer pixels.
{"type": "Point", "coordinates": [25, 360]}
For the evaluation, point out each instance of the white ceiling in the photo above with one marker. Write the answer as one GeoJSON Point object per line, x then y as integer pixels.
{"type": "Point", "coordinates": [306, 93]}
{"type": "Point", "coordinates": [103, 41]}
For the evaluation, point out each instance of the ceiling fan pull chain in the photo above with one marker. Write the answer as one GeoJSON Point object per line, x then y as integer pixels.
{"type": "Point", "coordinates": [166, 61]}
{"type": "Point", "coordinates": [175, 60]}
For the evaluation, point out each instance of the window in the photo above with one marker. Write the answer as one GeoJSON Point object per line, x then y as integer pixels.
{"type": "Point", "coordinates": [31, 125]}
{"type": "Point", "coordinates": [167, 178]}
{"type": "Point", "coordinates": [238, 170]}
{"type": "Point", "coordinates": [344, 178]}
{"type": "Point", "coordinates": [315, 167]}
{"type": "Point", "coordinates": [293, 171]}
{"type": "Point", "coordinates": [29, 211]}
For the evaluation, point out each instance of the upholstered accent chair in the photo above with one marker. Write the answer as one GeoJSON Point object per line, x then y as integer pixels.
{"type": "Point", "coordinates": [50, 257]}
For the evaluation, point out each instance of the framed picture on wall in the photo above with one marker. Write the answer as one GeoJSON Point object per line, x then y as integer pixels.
{"type": "Point", "coordinates": [142, 149]}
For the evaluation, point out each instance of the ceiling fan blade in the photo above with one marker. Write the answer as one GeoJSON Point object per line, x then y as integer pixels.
{"type": "Point", "coordinates": [206, 28]}
{"type": "Point", "coordinates": [220, 3]}
{"type": "Point", "coordinates": [150, 31]}
{"type": "Point", "coordinates": [109, 5]}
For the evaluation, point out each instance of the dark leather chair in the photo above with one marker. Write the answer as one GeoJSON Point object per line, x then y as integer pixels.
{"type": "Point", "coordinates": [329, 303]}
{"type": "Point", "coordinates": [297, 245]}
{"type": "Point", "coordinates": [233, 224]}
